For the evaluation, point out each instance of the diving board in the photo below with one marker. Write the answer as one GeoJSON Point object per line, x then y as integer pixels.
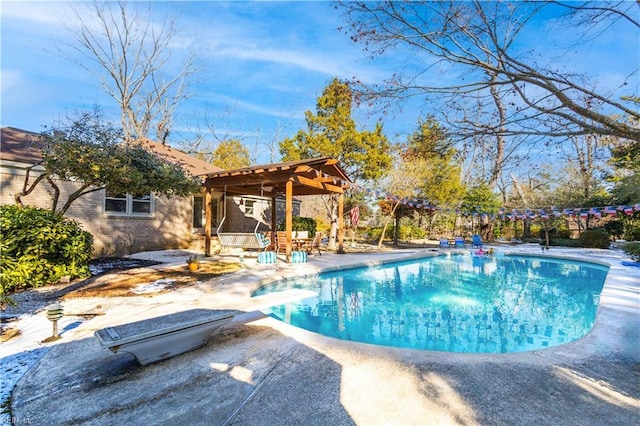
{"type": "Point", "coordinates": [166, 336]}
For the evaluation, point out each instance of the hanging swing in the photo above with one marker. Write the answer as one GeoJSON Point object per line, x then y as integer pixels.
{"type": "Point", "coordinates": [245, 240]}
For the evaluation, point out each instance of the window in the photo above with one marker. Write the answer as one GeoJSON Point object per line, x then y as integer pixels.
{"type": "Point", "coordinates": [115, 203]}
{"type": "Point", "coordinates": [248, 207]}
{"type": "Point", "coordinates": [199, 212]}
{"type": "Point", "coordinates": [128, 204]}
{"type": "Point", "coordinates": [141, 204]}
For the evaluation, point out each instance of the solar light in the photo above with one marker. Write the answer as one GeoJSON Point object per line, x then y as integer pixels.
{"type": "Point", "coordinates": [54, 313]}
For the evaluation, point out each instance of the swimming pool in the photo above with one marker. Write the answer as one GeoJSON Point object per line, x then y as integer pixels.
{"type": "Point", "coordinates": [458, 302]}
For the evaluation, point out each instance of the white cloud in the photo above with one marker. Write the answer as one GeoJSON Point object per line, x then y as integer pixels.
{"type": "Point", "coordinates": [258, 108]}
{"type": "Point", "coordinates": [286, 57]}
{"type": "Point", "coordinates": [10, 79]}
{"type": "Point", "coordinates": [35, 12]}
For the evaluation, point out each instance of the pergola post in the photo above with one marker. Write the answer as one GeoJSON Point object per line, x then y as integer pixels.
{"type": "Point", "coordinates": [341, 223]}
{"type": "Point", "coordinates": [207, 222]}
{"type": "Point", "coordinates": [288, 214]}
{"type": "Point", "coordinates": [274, 224]}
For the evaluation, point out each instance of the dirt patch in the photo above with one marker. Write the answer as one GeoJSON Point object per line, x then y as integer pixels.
{"type": "Point", "coordinates": [111, 277]}
{"type": "Point", "coordinates": [8, 333]}
{"type": "Point", "coordinates": [125, 283]}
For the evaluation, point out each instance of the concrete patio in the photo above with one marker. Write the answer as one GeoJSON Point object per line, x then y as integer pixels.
{"type": "Point", "coordinates": [259, 371]}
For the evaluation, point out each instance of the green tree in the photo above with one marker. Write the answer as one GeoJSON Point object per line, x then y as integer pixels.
{"type": "Point", "coordinates": [332, 132]}
{"type": "Point", "coordinates": [439, 172]}
{"type": "Point", "coordinates": [89, 151]}
{"type": "Point", "coordinates": [482, 200]}
{"type": "Point", "coordinates": [429, 141]}
{"type": "Point", "coordinates": [231, 154]}
{"type": "Point", "coordinates": [625, 158]}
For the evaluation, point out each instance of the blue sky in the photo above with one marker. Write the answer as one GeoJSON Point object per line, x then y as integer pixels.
{"type": "Point", "coordinates": [267, 62]}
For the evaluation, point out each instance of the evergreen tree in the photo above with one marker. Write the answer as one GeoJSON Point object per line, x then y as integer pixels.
{"type": "Point", "coordinates": [331, 132]}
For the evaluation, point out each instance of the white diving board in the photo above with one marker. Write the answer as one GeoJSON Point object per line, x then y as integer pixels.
{"type": "Point", "coordinates": [166, 336]}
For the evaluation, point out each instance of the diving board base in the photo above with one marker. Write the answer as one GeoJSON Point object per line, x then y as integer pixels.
{"type": "Point", "coordinates": [163, 337]}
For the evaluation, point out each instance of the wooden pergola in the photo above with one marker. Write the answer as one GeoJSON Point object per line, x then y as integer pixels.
{"type": "Point", "coordinates": [316, 176]}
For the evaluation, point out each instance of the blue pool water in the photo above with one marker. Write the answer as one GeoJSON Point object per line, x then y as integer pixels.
{"type": "Point", "coordinates": [454, 303]}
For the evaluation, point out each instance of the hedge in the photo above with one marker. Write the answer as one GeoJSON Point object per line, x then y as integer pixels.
{"type": "Point", "coordinates": [633, 250]}
{"type": "Point", "coordinates": [39, 247]}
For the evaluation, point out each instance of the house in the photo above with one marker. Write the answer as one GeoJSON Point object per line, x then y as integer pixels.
{"type": "Point", "coordinates": [123, 223]}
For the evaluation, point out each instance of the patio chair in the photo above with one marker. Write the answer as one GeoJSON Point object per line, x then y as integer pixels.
{"type": "Point", "coordinates": [315, 243]}
{"type": "Point", "coordinates": [459, 242]}
{"type": "Point", "coordinates": [444, 243]}
{"type": "Point", "coordinates": [281, 241]}
{"type": "Point", "coordinates": [477, 241]}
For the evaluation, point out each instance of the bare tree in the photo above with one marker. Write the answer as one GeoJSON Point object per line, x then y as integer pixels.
{"type": "Point", "coordinates": [213, 135]}
{"type": "Point", "coordinates": [131, 57]}
{"type": "Point", "coordinates": [402, 180]}
{"type": "Point", "coordinates": [486, 155]}
{"type": "Point", "coordinates": [477, 42]}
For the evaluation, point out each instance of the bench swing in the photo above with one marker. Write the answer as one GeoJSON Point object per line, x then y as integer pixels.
{"type": "Point", "coordinates": [245, 240]}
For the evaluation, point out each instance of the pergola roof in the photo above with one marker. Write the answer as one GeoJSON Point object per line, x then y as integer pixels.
{"type": "Point", "coordinates": [309, 177]}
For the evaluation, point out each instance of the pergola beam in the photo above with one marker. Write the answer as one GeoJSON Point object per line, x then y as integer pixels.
{"type": "Point", "coordinates": [320, 184]}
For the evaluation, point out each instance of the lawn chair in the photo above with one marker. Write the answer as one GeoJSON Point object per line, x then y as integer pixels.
{"type": "Point", "coordinates": [281, 241]}
{"type": "Point", "coordinates": [444, 243]}
{"type": "Point", "coordinates": [459, 242]}
{"type": "Point", "coordinates": [477, 241]}
{"type": "Point", "coordinates": [315, 243]}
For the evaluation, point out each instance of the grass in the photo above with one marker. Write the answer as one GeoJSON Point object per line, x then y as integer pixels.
{"type": "Point", "coordinates": [121, 283]}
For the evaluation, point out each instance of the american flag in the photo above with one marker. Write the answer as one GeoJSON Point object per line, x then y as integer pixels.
{"type": "Point", "coordinates": [355, 216]}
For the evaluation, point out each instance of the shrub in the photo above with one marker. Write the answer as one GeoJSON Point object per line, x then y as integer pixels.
{"type": "Point", "coordinates": [594, 238]}
{"type": "Point", "coordinates": [40, 247]}
{"type": "Point", "coordinates": [632, 233]}
{"type": "Point", "coordinates": [615, 228]}
{"type": "Point", "coordinates": [300, 223]}
{"type": "Point", "coordinates": [406, 233]}
{"type": "Point", "coordinates": [633, 250]}
{"type": "Point", "coordinates": [411, 232]}
{"type": "Point", "coordinates": [556, 233]}
{"type": "Point", "coordinates": [563, 242]}
{"type": "Point", "coordinates": [373, 233]}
